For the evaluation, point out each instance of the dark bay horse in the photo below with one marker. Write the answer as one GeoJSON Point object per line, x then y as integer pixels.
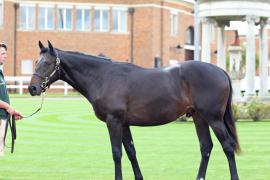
{"type": "Point", "coordinates": [124, 95]}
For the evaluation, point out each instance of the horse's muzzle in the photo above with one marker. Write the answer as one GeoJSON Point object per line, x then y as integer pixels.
{"type": "Point", "coordinates": [34, 90]}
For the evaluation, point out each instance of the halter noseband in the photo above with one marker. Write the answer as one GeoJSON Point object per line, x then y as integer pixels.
{"type": "Point", "coordinates": [46, 79]}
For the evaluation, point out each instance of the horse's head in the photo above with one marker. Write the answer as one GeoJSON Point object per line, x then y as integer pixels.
{"type": "Point", "coordinates": [46, 70]}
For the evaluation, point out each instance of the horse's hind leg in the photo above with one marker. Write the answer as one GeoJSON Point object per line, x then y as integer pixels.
{"type": "Point", "coordinates": [227, 143]}
{"type": "Point", "coordinates": [130, 149]}
{"type": "Point", "coordinates": [206, 144]}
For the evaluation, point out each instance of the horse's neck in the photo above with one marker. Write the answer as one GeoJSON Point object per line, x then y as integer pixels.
{"type": "Point", "coordinates": [84, 76]}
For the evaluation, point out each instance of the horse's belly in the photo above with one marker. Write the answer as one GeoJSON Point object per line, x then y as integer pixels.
{"type": "Point", "coordinates": [161, 111]}
{"type": "Point", "coordinates": [151, 120]}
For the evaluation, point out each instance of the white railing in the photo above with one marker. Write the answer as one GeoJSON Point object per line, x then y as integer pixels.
{"type": "Point", "coordinates": [243, 83]}
{"type": "Point", "coordinates": [22, 83]}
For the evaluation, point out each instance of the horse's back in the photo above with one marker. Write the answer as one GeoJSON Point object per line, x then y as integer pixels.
{"type": "Point", "coordinates": [159, 96]}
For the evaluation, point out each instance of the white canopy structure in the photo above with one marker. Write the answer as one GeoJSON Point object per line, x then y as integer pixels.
{"type": "Point", "coordinates": [220, 13]}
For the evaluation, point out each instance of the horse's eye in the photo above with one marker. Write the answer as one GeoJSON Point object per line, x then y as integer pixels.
{"type": "Point", "coordinates": [48, 62]}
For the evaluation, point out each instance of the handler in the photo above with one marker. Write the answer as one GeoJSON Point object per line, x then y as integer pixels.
{"type": "Point", "coordinates": [5, 108]}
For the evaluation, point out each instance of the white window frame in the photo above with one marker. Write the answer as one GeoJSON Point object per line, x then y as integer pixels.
{"type": "Point", "coordinates": [64, 8]}
{"type": "Point", "coordinates": [174, 19]}
{"type": "Point", "coordinates": [47, 6]}
{"type": "Point", "coordinates": [101, 9]}
{"type": "Point", "coordinates": [27, 66]}
{"type": "Point", "coordinates": [84, 8]}
{"type": "Point", "coordinates": [28, 28]}
{"type": "Point", "coordinates": [119, 10]}
{"type": "Point", "coordinates": [1, 13]}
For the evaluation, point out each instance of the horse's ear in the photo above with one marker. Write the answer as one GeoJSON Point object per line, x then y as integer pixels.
{"type": "Point", "coordinates": [40, 45]}
{"type": "Point", "coordinates": [51, 47]}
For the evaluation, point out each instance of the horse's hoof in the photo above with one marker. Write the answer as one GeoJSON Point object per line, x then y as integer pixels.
{"type": "Point", "coordinates": [200, 179]}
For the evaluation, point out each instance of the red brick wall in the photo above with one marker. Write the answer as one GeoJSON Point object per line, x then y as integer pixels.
{"type": "Point", "coordinates": [147, 34]}
{"type": "Point", "coordinates": [6, 35]}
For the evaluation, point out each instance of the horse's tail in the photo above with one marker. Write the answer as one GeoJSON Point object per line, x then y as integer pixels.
{"type": "Point", "coordinates": [230, 121]}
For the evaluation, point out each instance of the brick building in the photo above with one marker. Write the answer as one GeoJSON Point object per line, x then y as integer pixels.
{"type": "Point", "coordinates": [145, 32]}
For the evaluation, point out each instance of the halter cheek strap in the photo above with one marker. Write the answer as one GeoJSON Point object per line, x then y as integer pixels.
{"type": "Point", "coordinates": [46, 80]}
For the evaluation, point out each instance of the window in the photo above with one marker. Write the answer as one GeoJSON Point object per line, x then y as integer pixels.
{"type": "Point", "coordinates": [119, 20]}
{"type": "Point", "coordinates": [1, 12]}
{"type": "Point", "coordinates": [83, 18]}
{"type": "Point", "coordinates": [27, 17]}
{"type": "Point", "coordinates": [101, 23]}
{"type": "Point", "coordinates": [174, 23]}
{"type": "Point", "coordinates": [27, 67]}
{"type": "Point", "coordinates": [46, 17]}
{"type": "Point", "coordinates": [189, 39]}
{"type": "Point", "coordinates": [65, 17]}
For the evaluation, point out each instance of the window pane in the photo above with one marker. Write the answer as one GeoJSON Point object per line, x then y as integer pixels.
{"type": "Point", "coordinates": [123, 24]}
{"type": "Point", "coordinates": [60, 19]}
{"type": "Point", "coordinates": [31, 18]}
{"type": "Point", "coordinates": [119, 21]}
{"type": "Point", "coordinates": [1, 12]}
{"type": "Point", "coordinates": [50, 20]}
{"type": "Point", "coordinates": [97, 20]}
{"type": "Point", "coordinates": [87, 19]}
{"type": "Point", "coordinates": [105, 20]}
{"type": "Point", "coordinates": [174, 24]}
{"type": "Point", "coordinates": [79, 20]}
{"type": "Point", "coordinates": [41, 18]}
{"type": "Point", "coordinates": [22, 17]}
{"type": "Point", "coordinates": [68, 19]}
{"type": "Point", "coordinates": [115, 20]}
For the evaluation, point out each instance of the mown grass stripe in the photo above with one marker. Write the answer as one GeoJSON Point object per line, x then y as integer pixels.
{"type": "Point", "coordinates": [65, 141]}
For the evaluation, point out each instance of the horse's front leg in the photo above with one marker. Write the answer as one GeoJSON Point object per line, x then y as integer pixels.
{"type": "Point", "coordinates": [115, 128]}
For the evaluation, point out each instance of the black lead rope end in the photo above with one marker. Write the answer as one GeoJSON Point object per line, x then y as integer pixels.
{"type": "Point", "coordinates": [12, 124]}
{"type": "Point", "coordinates": [14, 127]}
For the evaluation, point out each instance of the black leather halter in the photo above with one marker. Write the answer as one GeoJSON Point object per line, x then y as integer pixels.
{"type": "Point", "coordinates": [46, 79]}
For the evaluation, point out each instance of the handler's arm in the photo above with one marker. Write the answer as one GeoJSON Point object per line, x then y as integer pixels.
{"type": "Point", "coordinates": [10, 110]}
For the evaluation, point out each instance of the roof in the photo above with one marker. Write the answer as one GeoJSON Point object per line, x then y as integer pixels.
{"type": "Point", "coordinates": [185, 1]}
{"type": "Point", "coordinates": [203, 1]}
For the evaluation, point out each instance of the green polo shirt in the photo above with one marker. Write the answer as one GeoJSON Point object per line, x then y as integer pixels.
{"type": "Point", "coordinates": [3, 95]}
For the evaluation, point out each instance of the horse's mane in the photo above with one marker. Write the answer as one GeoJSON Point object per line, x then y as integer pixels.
{"type": "Point", "coordinates": [92, 57]}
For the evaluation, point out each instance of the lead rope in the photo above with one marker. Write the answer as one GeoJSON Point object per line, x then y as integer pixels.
{"type": "Point", "coordinates": [12, 125]}
{"type": "Point", "coordinates": [40, 107]}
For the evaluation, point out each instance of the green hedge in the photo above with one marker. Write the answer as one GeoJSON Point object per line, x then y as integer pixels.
{"type": "Point", "coordinates": [254, 109]}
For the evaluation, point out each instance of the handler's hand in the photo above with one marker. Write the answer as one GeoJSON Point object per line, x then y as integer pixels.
{"type": "Point", "coordinates": [12, 111]}
{"type": "Point", "coordinates": [17, 115]}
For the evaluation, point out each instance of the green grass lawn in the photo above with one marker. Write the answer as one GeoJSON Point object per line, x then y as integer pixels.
{"type": "Point", "coordinates": [66, 141]}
